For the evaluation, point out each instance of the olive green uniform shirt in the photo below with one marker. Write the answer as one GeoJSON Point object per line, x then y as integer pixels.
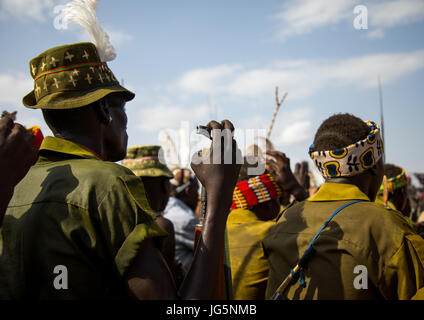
{"type": "Point", "coordinates": [75, 211]}
{"type": "Point", "coordinates": [249, 266]}
{"type": "Point", "coordinates": [363, 234]}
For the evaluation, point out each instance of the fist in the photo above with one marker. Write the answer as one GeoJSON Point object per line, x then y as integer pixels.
{"type": "Point", "coordinates": [218, 167]}
{"type": "Point", "coordinates": [17, 152]}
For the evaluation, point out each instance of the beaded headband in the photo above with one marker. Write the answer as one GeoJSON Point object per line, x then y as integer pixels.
{"type": "Point", "coordinates": [353, 159]}
{"type": "Point", "coordinates": [397, 182]}
{"type": "Point", "coordinates": [249, 193]}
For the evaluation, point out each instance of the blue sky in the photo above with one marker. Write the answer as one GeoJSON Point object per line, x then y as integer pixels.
{"type": "Point", "coordinates": [193, 60]}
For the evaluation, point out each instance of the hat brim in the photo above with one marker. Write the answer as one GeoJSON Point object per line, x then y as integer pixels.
{"type": "Point", "coordinates": [153, 172]}
{"type": "Point", "coordinates": [74, 99]}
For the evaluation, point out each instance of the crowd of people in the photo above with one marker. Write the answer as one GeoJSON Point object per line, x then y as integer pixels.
{"type": "Point", "coordinates": [141, 230]}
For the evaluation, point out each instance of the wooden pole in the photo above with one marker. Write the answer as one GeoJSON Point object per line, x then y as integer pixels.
{"type": "Point", "coordinates": [278, 104]}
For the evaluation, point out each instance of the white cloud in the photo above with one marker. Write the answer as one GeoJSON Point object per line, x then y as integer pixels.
{"type": "Point", "coordinates": [302, 78]}
{"type": "Point", "coordinates": [13, 88]}
{"type": "Point", "coordinates": [375, 34]}
{"type": "Point", "coordinates": [304, 16]}
{"type": "Point", "coordinates": [165, 116]}
{"type": "Point", "coordinates": [207, 80]}
{"type": "Point", "coordinates": [388, 14]}
{"type": "Point", "coordinates": [116, 37]}
{"type": "Point", "coordinates": [292, 127]}
{"type": "Point", "coordinates": [294, 133]}
{"type": "Point", "coordinates": [363, 71]}
{"type": "Point", "coordinates": [300, 17]}
{"type": "Point", "coordinates": [26, 9]}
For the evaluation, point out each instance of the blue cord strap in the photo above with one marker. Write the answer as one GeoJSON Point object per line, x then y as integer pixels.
{"type": "Point", "coordinates": [309, 249]}
{"type": "Point", "coordinates": [295, 277]}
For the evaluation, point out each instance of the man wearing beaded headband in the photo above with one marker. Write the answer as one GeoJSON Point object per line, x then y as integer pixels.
{"type": "Point", "coordinates": [256, 204]}
{"type": "Point", "coordinates": [397, 192]}
{"type": "Point", "coordinates": [357, 231]}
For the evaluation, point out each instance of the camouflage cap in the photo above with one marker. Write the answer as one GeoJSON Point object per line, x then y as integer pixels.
{"type": "Point", "coordinates": [146, 161]}
{"type": "Point", "coordinates": [71, 76]}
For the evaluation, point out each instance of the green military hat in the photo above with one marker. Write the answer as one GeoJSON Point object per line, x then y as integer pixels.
{"type": "Point", "coordinates": [71, 76]}
{"type": "Point", "coordinates": [145, 161]}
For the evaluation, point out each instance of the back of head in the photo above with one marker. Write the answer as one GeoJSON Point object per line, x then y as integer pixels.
{"type": "Point", "coordinates": [339, 131]}
{"type": "Point", "coordinates": [397, 187]}
{"type": "Point", "coordinates": [62, 121]}
{"type": "Point", "coordinates": [347, 149]}
{"type": "Point", "coordinates": [391, 171]}
{"type": "Point", "coordinates": [185, 187]}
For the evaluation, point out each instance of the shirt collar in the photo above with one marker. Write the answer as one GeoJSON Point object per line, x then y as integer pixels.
{"type": "Point", "coordinates": [68, 147]}
{"type": "Point", "coordinates": [331, 191]}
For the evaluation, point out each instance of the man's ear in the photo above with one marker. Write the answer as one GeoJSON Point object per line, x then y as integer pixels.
{"type": "Point", "coordinates": [103, 111]}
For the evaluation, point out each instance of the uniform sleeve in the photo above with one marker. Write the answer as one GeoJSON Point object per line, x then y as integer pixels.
{"type": "Point", "coordinates": [405, 273]}
{"type": "Point", "coordinates": [127, 220]}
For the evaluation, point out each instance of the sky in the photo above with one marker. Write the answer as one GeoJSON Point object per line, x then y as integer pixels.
{"type": "Point", "coordinates": [192, 61]}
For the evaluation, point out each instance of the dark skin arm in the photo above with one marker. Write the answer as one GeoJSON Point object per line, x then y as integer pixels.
{"type": "Point", "coordinates": [280, 167]}
{"type": "Point", "coordinates": [168, 245]}
{"type": "Point", "coordinates": [149, 278]}
{"type": "Point", "coordinates": [17, 154]}
{"type": "Point", "coordinates": [301, 173]}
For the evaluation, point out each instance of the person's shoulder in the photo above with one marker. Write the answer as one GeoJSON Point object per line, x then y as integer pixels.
{"type": "Point", "coordinates": [100, 173]}
{"type": "Point", "coordinates": [165, 224]}
{"type": "Point", "coordinates": [293, 209]}
{"type": "Point", "coordinates": [105, 168]}
{"type": "Point", "coordinates": [379, 215]}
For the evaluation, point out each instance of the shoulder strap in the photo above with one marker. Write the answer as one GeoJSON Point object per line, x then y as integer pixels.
{"type": "Point", "coordinates": [297, 271]}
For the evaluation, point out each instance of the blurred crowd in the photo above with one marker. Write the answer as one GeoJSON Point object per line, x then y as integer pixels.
{"type": "Point", "coordinates": [77, 225]}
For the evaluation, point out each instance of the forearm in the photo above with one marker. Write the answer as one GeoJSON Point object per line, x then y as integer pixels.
{"type": "Point", "coordinates": [5, 196]}
{"type": "Point", "coordinates": [201, 280]}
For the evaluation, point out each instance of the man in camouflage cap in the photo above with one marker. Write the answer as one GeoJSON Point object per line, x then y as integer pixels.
{"type": "Point", "coordinates": [144, 161]}
{"type": "Point", "coordinates": [75, 208]}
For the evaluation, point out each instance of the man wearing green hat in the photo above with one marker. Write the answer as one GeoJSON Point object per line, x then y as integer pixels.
{"type": "Point", "coordinates": [79, 225]}
{"type": "Point", "coordinates": [144, 161]}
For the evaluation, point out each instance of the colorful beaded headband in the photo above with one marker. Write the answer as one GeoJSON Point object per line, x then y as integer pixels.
{"type": "Point", "coordinates": [351, 160]}
{"type": "Point", "coordinates": [249, 193]}
{"type": "Point", "coordinates": [396, 182]}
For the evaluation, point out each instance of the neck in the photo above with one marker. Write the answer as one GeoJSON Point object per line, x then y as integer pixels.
{"type": "Point", "coordinates": [90, 141]}
{"type": "Point", "coordinates": [361, 181]}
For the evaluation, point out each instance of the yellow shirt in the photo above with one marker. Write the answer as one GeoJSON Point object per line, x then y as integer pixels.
{"type": "Point", "coordinates": [249, 267]}
{"type": "Point", "coordinates": [363, 234]}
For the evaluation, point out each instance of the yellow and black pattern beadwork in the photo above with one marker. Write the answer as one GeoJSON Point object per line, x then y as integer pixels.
{"type": "Point", "coordinates": [353, 159]}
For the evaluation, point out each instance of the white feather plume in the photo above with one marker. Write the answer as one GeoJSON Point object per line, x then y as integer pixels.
{"type": "Point", "coordinates": [83, 12]}
{"type": "Point", "coordinates": [170, 151]}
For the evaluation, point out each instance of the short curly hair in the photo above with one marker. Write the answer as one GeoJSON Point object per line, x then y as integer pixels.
{"type": "Point", "coordinates": [391, 171]}
{"type": "Point", "coordinates": [339, 131]}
